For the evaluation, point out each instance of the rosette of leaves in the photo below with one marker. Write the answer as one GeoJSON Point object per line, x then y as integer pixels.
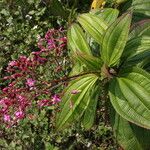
{"type": "Point", "coordinates": [121, 68]}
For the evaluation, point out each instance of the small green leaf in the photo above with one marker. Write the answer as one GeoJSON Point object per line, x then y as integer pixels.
{"type": "Point", "coordinates": [74, 105]}
{"type": "Point", "coordinates": [115, 39]}
{"type": "Point", "coordinates": [93, 25]}
{"type": "Point", "coordinates": [77, 40]}
{"type": "Point", "coordinates": [130, 96]}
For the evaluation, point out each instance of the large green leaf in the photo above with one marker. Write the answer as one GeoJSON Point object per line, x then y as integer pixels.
{"type": "Point", "coordinates": [130, 136]}
{"type": "Point", "coordinates": [130, 96]}
{"type": "Point", "coordinates": [93, 25]}
{"type": "Point", "coordinates": [109, 15]}
{"type": "Point", "coordinates": [124, 134]}
{"type": "Point", "coordinates": [74, 105]}
{"type": "Point", "coordinates": [136, 50]}
{"type": "Point", "coordinates": [89, 115]}
{"type": "Point", "coordinates": [76, 40]}
{"type": "Point", "coordinates": [115, 39]}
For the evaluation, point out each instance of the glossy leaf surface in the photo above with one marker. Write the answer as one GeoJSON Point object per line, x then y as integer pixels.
{"type": "Point", "coordinates": [93, 25]}
{"type": "Point", "coordinates": [109, 15]}
{"type": "Point", "coordinates": [76, 40]}
{"type": "Point", "coordinates": [74, 104]}
{"type": "Point", "coordinates": [130, 96]}
{"type": "Point", "coordinates": [130, 136]}
{"type": "Point", "coordinates": [115, 39]}
{"type": "Point", "coordinates": [136, 50]}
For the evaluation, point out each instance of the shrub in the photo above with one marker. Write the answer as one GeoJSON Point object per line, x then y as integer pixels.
{"type": "Point", "coordinates": [110, 63]}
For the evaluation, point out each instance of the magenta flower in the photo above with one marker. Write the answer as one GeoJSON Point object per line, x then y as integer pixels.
{"type": "Point", "coordinates": [6, 118]}
{"type": "Point", "coordinates": [30, 82]}
{"type": "Point", "coordinates": [55, 99]}
{"type": "Point", "coordinates": [16, 97]}
{"type": "Point", "coordinates": [44, 102]}
{"type": "Point", "coordinates": [19, 114]}
{"type": "Point", "coordinates": [13, 63]}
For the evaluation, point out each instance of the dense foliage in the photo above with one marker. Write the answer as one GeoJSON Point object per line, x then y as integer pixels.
{"type": "Point", "coordinates": [59, 66]}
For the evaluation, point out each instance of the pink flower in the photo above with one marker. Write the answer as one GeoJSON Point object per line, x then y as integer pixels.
{"type": "Point", "coordinates": [44, 102]}
{"type": "Point", "coordinates": [6, 118]}
{"type": "Point", "coordinates": [75, 91]}
{"type": "Point", "coordinates": [55, 99]}
{"type": "Point", "coordinates": [23, 58]}
{"type": "Point", "coordinates": [16, 75]}
{"type": "Point", "coordinates": [19, 114]}
{"type": "Point", "coordinates": [30, 82]}
{"type": "Point", "coordinates": [13, 63]}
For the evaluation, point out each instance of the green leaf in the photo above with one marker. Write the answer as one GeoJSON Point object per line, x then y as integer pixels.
{"type": "Point", "coordinates": [130, 136]}
{"type": "Point", "coordinates": [115, 39]}
{"type": "Point", "coordinates": [109, 15]}
{"type": "Point", "coordinates": [77, 40]}
{"type": "Point", "coordinates": [130, 96]}
{"type": "Point", "coordinates": [140, 9]}
{"type": "Point", "coordinates": [74, 105]}
{"type": "Point", "coordinates": [145, 64]}
{"type": "Point", "coordinates": [91, 63]}
{"type": "Point", "coordinates": [93, 25]}
{"type": "Point", "coordinates": [89, 115]}
{"type": "Point", "coordinates": [77, 68]}
{"type": "Point", "coordinates": [141, 28]}
{"type": "Point", "coordinates": [75, 84]}
{"type": "Point", "coordinates": [141, 6]}
{"type": "Point", "coordinates": [136, 50]}
{"type": "Point", "coordinates": [124, 134]}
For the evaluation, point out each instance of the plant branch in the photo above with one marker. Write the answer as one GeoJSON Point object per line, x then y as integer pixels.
{"type": "Point", "coordinates": [72, 77]}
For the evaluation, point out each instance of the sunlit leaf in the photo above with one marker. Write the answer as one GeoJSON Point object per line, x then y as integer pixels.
{"type": "Point", "coordinates": [109, 15]}
{"type": "Point", "coordinates": [130, 96]}
{"type": "Point", "coordinates": [74, 105]}
{"type": "Point", "coordinates": [115, 39]}
{"type": "Point", "coordinates": [93, 25]}
{"type": "Point", "coordinates": [76, 40]}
